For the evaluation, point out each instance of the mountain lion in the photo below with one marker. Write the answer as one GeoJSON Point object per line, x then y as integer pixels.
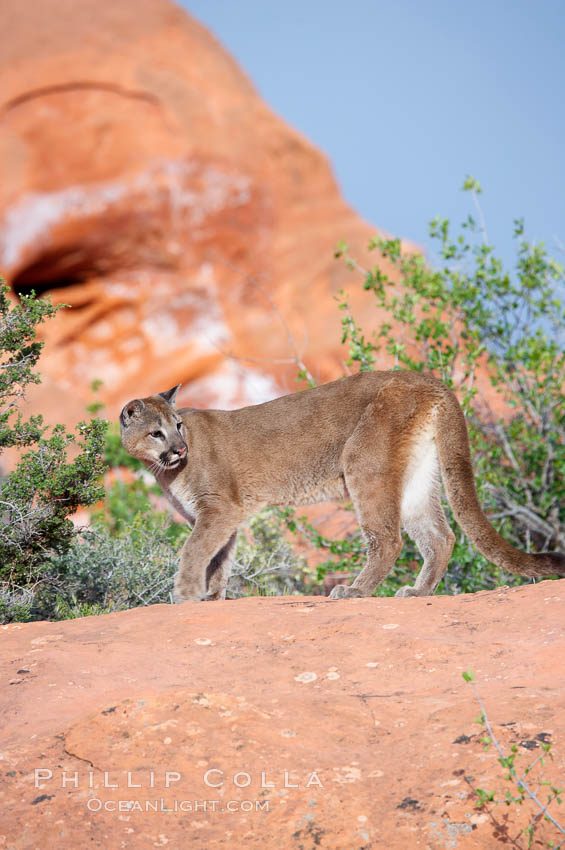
{"type": "Point", "coordinates": [384, 440]}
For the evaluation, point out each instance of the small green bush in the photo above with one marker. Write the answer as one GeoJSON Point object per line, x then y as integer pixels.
{"type": "Point", "coordinates": [265, 562]}
{"type": "Point", "coordinates": [57, 471]}
{"type": "Point", "coordinates": [102, 572]}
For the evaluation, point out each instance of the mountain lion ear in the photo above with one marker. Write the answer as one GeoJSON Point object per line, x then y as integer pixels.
{"type": "Point", "coordinates": [171, 394]}
{"type": "Point", "coordinates": [132, 410]}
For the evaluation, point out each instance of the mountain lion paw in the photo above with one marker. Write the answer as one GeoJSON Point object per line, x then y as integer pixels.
{"type": "Point", "coordinates": [407, 591]}
{"type": "Point", "coordinates": [185, 593]}
{"type": "Point", "coordinates": [342, 591]}
{"type": "Point", "coordinates": [213, 597]}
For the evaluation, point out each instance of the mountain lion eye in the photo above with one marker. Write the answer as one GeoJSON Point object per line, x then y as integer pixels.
{"type": "Point", "coordinates": [156, 434]}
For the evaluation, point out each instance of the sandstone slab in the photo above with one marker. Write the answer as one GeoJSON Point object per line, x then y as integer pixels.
{"type": "Point", "coordinates": [277, 722]}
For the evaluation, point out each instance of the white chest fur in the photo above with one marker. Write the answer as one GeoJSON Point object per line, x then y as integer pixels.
{"type": "Point", "coordinates": [176, 494]}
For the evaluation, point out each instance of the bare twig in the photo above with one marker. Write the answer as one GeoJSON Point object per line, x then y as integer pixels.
{"type": "Point", "coordinates": [297, 357]}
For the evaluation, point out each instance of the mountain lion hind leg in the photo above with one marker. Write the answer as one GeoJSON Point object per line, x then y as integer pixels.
{"type": "Point", "coordinates": [392, 472]}
{"type": "Point", "coordinates": [371, 461]}
{"type": "Point", "coordinates": [423, 517]}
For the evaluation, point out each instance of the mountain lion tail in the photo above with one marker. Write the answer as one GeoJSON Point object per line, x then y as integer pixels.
{"type": "Point", "coordinates": [457, 473]}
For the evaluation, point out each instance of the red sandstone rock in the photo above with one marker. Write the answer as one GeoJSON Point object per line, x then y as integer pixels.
{"type": "Point", "coordinates": [139, 172]}
{"type": "Point", "coordinates": [365, 694]}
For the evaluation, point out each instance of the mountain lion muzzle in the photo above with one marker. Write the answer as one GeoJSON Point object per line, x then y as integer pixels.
{"type": "Point", "coordinates": [384, 440]}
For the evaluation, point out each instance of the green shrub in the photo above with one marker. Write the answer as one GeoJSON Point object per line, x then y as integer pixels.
{"type": "Point", "coordinates": [265, 562]}
{"type": "Point", "coordinates": [103, 572]}
{"type": "Point", "coordinates": [57, 471]}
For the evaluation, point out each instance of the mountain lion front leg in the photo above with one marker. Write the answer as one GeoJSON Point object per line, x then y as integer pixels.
{"type": "Point", "coordinates": [218, 571]}
{"type": "Point", "coordinates": [203, 556]}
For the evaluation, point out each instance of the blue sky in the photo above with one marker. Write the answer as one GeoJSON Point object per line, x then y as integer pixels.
{"type": "Point", "coordinates": [408, 97]}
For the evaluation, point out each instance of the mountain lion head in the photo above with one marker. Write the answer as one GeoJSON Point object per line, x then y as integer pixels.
{"type": "Point", "coordinates": [153, 431]}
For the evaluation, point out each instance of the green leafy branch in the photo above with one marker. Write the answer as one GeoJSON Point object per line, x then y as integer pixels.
{"type": "Point", "coordinates": [524, 789]}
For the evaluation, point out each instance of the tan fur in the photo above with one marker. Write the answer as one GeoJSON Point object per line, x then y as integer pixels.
{"type": "Point", "coordinates": [382, 439]}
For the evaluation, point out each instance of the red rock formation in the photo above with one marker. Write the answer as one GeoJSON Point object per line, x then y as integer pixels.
{"type": "Point", "coordinates": [141, 179]}
{"type": "Point", "coordinates": [366, 694]}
